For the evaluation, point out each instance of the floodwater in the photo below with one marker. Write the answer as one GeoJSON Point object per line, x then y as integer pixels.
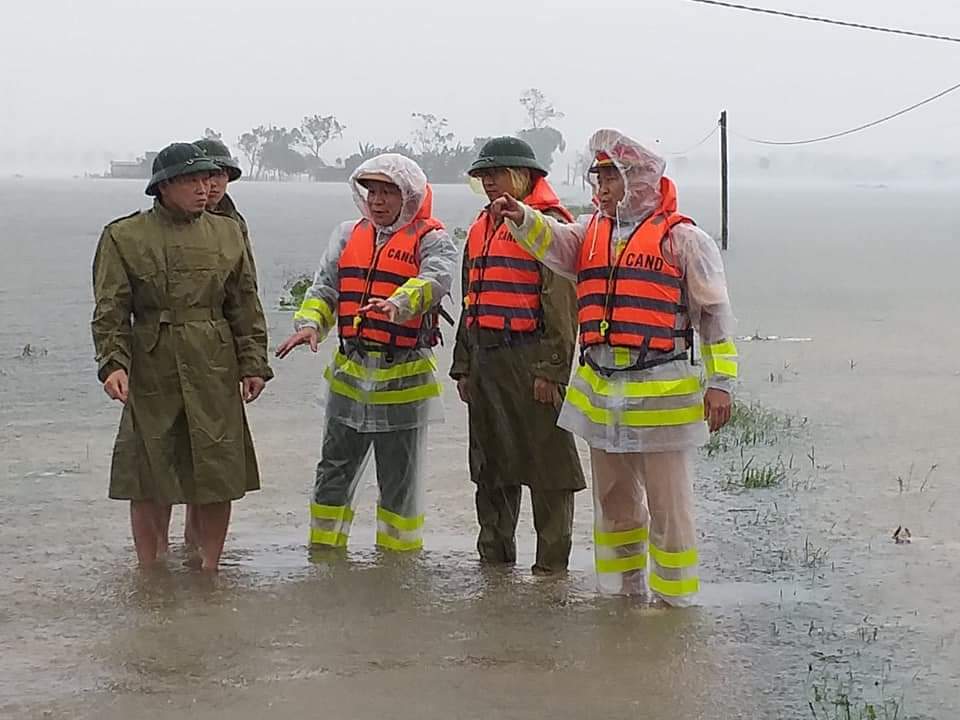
{"type": "Point", "coordinates": [805, 591]}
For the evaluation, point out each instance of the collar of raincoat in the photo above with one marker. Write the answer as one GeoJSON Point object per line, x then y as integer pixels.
{"type": "Point", "coordinates": [642, 170]}
{"type": "Point", "coordinates": [406, 175]}
{"type": "Point", "coordinates": [174, 216]}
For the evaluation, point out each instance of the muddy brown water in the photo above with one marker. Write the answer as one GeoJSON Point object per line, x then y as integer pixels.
{"type": "Point", "coordinates": [804, 589]}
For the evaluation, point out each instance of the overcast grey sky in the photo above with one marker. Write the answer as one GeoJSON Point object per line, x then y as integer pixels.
{"type": "Point", "coordinates": [130, 75]}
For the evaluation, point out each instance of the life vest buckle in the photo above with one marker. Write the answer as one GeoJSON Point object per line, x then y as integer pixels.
{"type": "Point", "coordinates": [604, 327]}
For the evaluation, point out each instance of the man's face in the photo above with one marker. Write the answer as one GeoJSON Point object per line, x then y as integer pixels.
{"type": "Point", "coordinates": [610, 189]}
{"type": "Point", "coordinates": [218, 188]}
{"type": "Point", "coordinates": [186, 193]}
{"type": "Point", "coordinates": [385, 202]}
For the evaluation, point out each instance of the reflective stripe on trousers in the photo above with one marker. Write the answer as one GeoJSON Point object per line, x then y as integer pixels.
{"type": "Point", "coordinates": [644, 525]}
{"type": "Point", "coordinates": [344, 458]}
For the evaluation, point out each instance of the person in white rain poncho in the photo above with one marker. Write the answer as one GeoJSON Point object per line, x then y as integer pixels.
{"type": "Point", "coordinates": [647, 277]}
{"type": "Point", "coordinates": [380, 283]}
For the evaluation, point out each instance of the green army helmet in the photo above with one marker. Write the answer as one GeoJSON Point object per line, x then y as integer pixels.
{"type": "Point", "coordinates": [178, 159]}
{"type": "Point", "coordinates": [217, 151]}
{"type": "Point", "coordinates": [506, 152]}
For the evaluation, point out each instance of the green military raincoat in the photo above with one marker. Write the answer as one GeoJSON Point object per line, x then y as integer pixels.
{"type": "Point", "coordinates": [177, 308]}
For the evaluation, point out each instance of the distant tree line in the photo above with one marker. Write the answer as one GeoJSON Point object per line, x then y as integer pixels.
{"type": "Point", "coordinates": [276, 152]}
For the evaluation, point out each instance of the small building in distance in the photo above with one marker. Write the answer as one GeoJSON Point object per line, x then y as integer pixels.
{"type": "Point", "coordinates": [139, 169]}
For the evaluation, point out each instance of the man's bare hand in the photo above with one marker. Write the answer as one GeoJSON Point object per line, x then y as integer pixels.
{"type": "Point", "coordinates": [716, 408]}
{"type": "Point", "coordinates": [117, 386]}
{"type": "Point", "coordinates": [301, 337]}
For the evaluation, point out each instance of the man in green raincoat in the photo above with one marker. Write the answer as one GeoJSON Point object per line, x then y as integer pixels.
{"type": "Point", "coordinates": [181, 341]}
{"type": "Point", "coordinates": [218, 199]}
{"type": "Point", "coordinates": [515, 344]}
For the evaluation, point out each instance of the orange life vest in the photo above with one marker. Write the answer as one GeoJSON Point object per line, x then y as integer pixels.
{"type": "Point", "coordinates": [504, 278]}
{"type": "Point", "coordinates": [367, 271]}
{"type": "Point", "coordinates": [635, 299]}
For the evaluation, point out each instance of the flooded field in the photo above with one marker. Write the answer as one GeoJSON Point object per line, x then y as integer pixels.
{"type": "Point", "coordinates": [810, 609]}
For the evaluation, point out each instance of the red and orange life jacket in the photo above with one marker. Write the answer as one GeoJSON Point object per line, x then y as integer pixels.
{"type": "Point", "coordinates": [635, 299]}
{"type": "Point", "coordinates": [504, 279]}
{"type": "Point", "coordinates": [367, 271]}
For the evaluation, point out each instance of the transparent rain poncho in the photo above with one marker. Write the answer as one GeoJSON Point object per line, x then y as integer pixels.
{"type": "Point", "coordinates": [641, 409]}
{"type": "Point", "coordinates": [373, 390]}
{"type": "Point", "coordinates": [380, 397]}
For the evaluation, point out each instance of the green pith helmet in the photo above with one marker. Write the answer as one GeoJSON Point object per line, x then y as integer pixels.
{"type": "Point", "coordinates": [217, 151]}
{"type": "Point", "coordinates": [506, 152]}
{"type": "Point", "coordinates": [178, 159]}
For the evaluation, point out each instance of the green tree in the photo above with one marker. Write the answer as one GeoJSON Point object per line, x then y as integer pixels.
{"type": "Point", "coordinates": [251, 144]}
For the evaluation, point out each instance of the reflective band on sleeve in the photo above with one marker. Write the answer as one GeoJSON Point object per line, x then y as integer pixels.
{"type": "Point", "coordinates": [676, 560]}
{"type": "Point", "coordinates": [399, 522]}
{"type": "Point", "coordinates": [646, 389]}
{"type": "Point", "coordinates": [419, 292]}
{"type": "Point", "coordinates": [540, 250]}
{"type": "Point", "coordinates": [623, 564]}
{"type": "Point", "coordinates": [634, 418]}
{"type": "Point", "coordinates": [315, 310]}
{"type": "Point", "coordinates": [674, 588]}
{"type": "Point", "coordinates": [720, 359]}
{"type": "Point", "coordinates": [331, 512]}
{"type": "Point", "coordinates": [624, 537]}
{"type": "Point", "coordinates": [391, 543]}
{"type": "Point", "coordinates": [327, 537]}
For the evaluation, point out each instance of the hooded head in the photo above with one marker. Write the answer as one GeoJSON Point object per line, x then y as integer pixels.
{"type": "Point", "coordinates": [640, 169]}
{"type": "Point", "coordinates": [406, 175]}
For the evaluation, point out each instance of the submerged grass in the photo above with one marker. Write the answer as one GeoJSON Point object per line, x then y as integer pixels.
{"type": "Point", "coordinates": [752, 425]}
{"type": "Point", "coordinates": [840, 697]}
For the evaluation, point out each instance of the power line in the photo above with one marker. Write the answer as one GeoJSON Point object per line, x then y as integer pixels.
{"type": "Point", "coordinates": [697, 144]}
{"type": "Point", "coordinates": [851, 131]}
{"type": "Point", "coordinates": [829, 21]}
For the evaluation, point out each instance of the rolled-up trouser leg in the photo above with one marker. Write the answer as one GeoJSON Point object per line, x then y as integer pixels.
{"type": "Point", "coordinates": [620, 522]}
{"type": "Point", "coordinates": [399, 455]}
{"type": "Point", "coordinates": [553, 520]}
{"type": "Point", "coordinates": [674, 575]}
{"type": "Point", "coordinates": [344, 455]}
{"type": "Point", "coordinates": [498, 509]}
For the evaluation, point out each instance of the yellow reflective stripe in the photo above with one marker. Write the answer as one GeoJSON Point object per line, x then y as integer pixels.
{"type": "Point", "coordinates": [311, 315]}
{"type": "Point", "coordinates": [634, 418]}
{"type": "Point", "coordinates": [331, 512]}
{"type": "Point", "coordinates": [674, 588]}
{"type": "Point", "coordinates": [720, 358]}
{"type": "Point", "coordinates": [419, 292]}
{"type": "Point", "coordinates": [645, 389]}
{"type": "Point", "coordinates": [383, 397]}
{"type": "Point", "coordinates": [722, 348]}
{"type": "Point", "coordinates": [675, 560]}
{"type": "Point", "coordinates": [621, 357]}
{"type": "Point", "coordinates": [719, 366]}
{"type": "Point", "coordinates": [619, 565]}
{"type": "Point", "coordinates": [399, 522]}
{"type": "Point", "coordinates": [391, 543]}
{"type": "Point", "coordinates": [327, 537]}
{"type": "Point", "coordinates": [316, 310]}
{"type": "Point", "coordinates": [407, 369]}
{"type": "Point", "coordinates": [624, 537]}
{"type": "Point", "coordinates": [541, 250]}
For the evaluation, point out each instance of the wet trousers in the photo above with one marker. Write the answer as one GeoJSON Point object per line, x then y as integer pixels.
{"type": "Point", "coordinates": [644, 526]}
{"type": "Point", "coordinates": [399, 456]}
{"type": "Point", "coordinates": [498, 509]}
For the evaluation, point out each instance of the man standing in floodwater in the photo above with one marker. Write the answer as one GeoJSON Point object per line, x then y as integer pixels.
{"type": "Point", "coordinates": [219, 202]}
{"type": "Point", "coordinates": [379, 283]}
{"type": "Point", "coordinates": [515, 345]}
{"type": "Point", "coordinates": [646, 277]}
{"type": "Point", "coordinates": [181, 341]}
